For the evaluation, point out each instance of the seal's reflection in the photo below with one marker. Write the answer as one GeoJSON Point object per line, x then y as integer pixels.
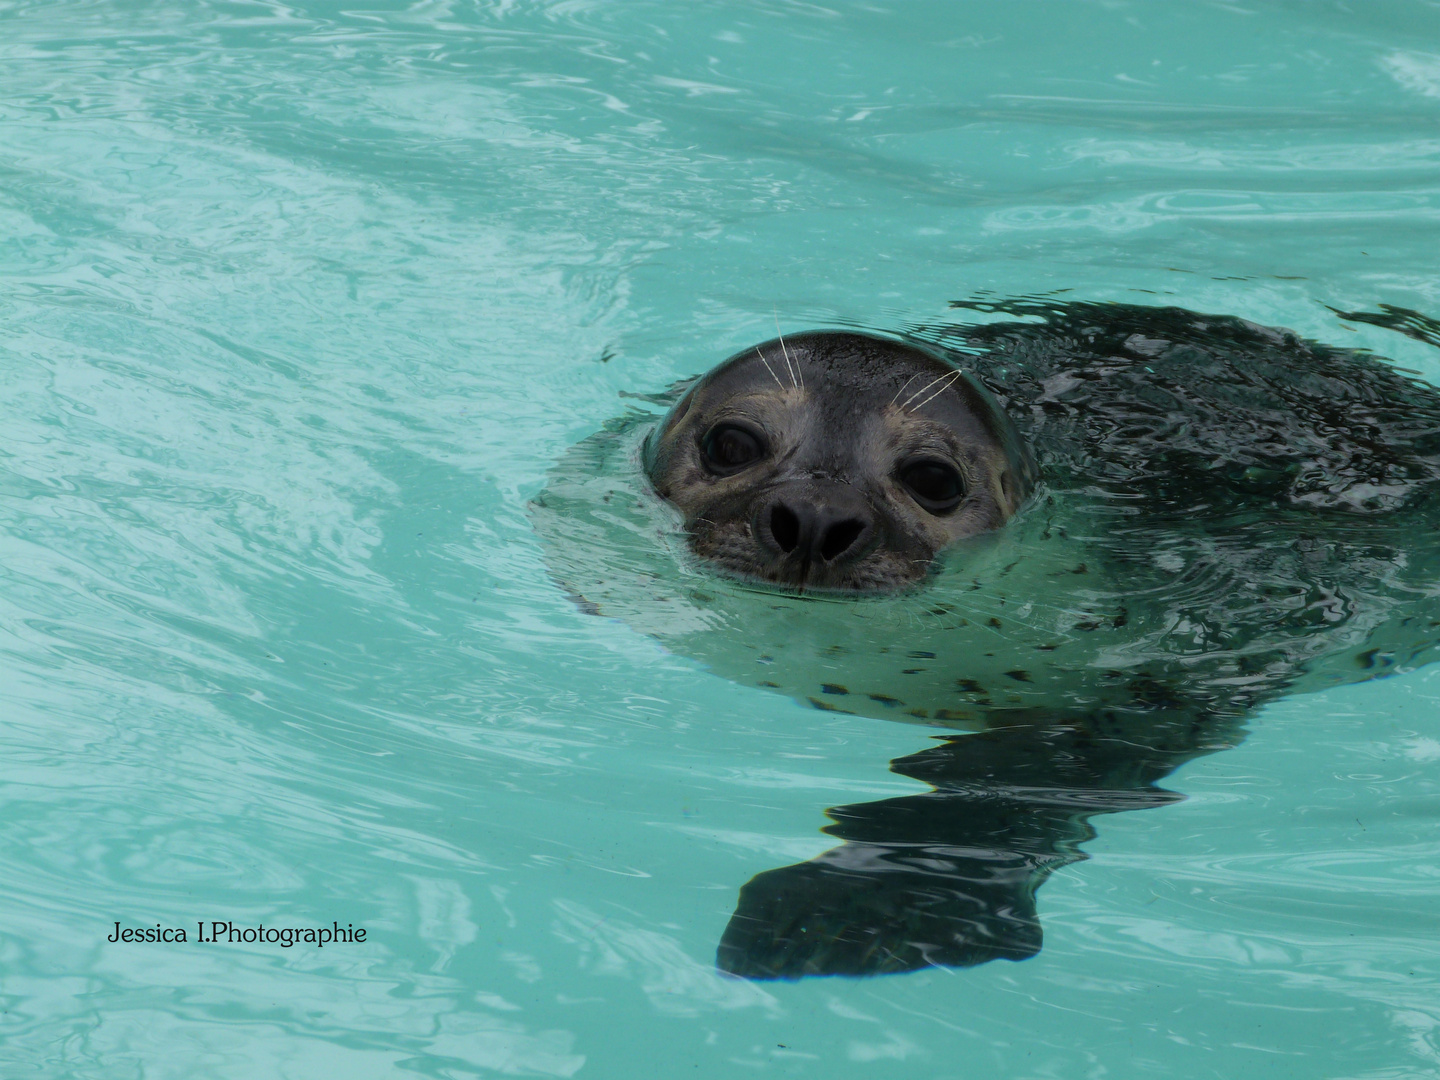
{"type": "Point", "coordinates": [948, 877]}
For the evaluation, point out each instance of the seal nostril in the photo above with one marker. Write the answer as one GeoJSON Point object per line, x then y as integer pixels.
{"type": "Point", "coordinates": [839, 537]}
{"type": "Point", "coordinates": [785, 528]}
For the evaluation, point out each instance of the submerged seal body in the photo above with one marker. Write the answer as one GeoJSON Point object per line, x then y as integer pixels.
{"type": "Point", "coordinates": [1097, 541]}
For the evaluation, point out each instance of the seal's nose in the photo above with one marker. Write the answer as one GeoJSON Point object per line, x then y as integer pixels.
{"type": "Point", "coordinates": [820, 525]}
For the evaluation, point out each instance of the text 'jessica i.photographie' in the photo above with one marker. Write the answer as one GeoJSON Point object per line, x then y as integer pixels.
{"type": "Point", "coordinates": [228, 933]}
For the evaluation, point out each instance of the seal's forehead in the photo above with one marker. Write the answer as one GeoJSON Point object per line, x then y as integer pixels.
{"type": "Point", "coordinates": [862, 365]}
{"type": "Point", "coordinates": [845, 377]}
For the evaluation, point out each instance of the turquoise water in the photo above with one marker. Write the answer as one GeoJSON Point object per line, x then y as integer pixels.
{"type": "Point", "coordinates": [300, 302]}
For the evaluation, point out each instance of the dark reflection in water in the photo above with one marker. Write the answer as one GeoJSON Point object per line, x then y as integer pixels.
{"type": "Point", "coordinates": [1401, 319]}
{"type": "Point", "coordinates": [1226, 514]}
{"type": "Point", "coordinates": [947, 877]}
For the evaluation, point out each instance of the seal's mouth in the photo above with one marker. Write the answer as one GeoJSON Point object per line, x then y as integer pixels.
{"type": "Point", "coordinates": [864, 565]}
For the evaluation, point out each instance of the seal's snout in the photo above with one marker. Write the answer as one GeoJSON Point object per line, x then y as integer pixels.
{"type": "Point", "coordinates": [828, 527]}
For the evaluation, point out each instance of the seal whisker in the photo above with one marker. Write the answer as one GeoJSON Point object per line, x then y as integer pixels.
{"type": "Point", "coordinates": [906, 383]}
{"type": "Point", "coordinates": [952, 376]}
{"type": "Point", "coordinates": [947, 379]}
{"type": "Point", "coordinates": [797, 385]}
{"type": "Point", "coordinates": [937, 393]}
{"type": "Point", "coordinates": [768, 368]}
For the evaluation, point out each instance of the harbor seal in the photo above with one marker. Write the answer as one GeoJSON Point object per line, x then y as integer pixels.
{"type": "Point", "coordinates": [1134, 527]}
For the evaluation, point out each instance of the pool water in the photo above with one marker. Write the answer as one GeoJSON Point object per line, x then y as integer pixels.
{"type": "Point", "coordinates": [300, 303]}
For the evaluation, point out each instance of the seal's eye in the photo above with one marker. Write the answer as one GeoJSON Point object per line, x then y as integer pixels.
{"type": "Point", "coordinates": [728, 448]}
{"type": "Point", "coordinates": [935, 485]}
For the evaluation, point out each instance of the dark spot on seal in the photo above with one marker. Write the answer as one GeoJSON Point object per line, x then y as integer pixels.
{"type": "Point", "coordinates": [886, 700]}
{"type": "Point", "coordinates": [993, 622]}
{"type": "Point", "coordinates": [918, 655]}
{"type": "Point", "coordinates": [832, 688]}
{"type": "Point", "coordinates": [969, 686]}
{"type": "Point", "coordinates": [1019, 675]}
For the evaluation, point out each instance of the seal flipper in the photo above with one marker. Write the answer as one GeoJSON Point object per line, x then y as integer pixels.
{"type": "Point", "coordinates": [946, 878]}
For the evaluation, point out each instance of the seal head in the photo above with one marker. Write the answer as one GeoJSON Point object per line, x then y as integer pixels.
{"type": "Point", "coordinates": [836, 461]}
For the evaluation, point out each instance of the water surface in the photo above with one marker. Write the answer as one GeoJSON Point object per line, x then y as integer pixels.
{"type": "Point", "coordinates": [300, 302]}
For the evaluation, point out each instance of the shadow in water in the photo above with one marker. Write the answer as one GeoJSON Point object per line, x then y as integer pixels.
{"type": "Point", "coordinates": [948, 877]}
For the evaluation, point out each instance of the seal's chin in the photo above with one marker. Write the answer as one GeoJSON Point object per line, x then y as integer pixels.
{"type": "Point", "coordinates": [874, 572]}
